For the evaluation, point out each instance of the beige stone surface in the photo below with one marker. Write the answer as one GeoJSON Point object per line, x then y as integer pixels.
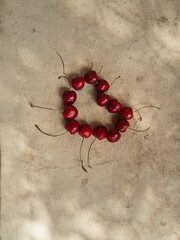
{"type": "Point", "coordinates": [133, 190]}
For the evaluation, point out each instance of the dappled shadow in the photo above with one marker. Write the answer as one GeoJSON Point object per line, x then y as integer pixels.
{"type": "Point", "coordinates": [131, 192]}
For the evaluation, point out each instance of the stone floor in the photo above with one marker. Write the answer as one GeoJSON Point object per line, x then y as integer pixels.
{"type": "Point", "coordinates": [133, 190]}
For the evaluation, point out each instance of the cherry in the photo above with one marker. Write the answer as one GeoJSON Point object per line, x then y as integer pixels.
{"type": "Point", "coordinates": [102, 85]}
{"type": "Point", "coordinates": [126, 113]}
{"type": "Point", "coordinates": [78, 83]}
{"type": "Point", "coordinates": [103, 99]}
{"type": "Point", "coordinates": [122, 125]}
{"type": "Point", "coordinates": [69, 97]}
{"type": "Point", "coordinates": [70, 112]}
{"type": "Point", "coordinates": [85, 130]}
{"type": "Point", "coordinates": [114, 106]}
{"type": "Point", "coordinates": [72, 126]}
{"type": "Point", "coordinates": [113, 136]}
{"type": "Point", "coordinates": [100, 132]}
{"type": "Point", "coordinates": [91, 77]}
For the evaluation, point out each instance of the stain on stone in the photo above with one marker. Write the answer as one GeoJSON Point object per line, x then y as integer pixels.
{"type": "Point", "coordinates": [162, 19]}
{"type": "Point", "coordinates": [146, 137]}
{"type": "Point", "coordinates": [163, 223]}
{"type": "Point", "coordinates": [91, 21]}
{"type": "Point", "coordinates": [84, 182]}
{"type": "Point", "coordinates": [139, 78]}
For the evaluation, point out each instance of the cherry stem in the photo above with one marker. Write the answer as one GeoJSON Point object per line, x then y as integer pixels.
{"type": "Point", "coordinates": [91, 67]}
{"type": "Point", "coordinates": [148, 107]}
{"type": "Point", "coordinates": [100, 69]}
{"type": "Point", "coordinates": [136, 130]}
{"type": "Point", "coordinates": [64, 77]}
{"type": "Point", "coordinates": [62, 63]}
{"type": "Point", "coordinates": [82, 165]}
{"type": "Point", "coordinates": [89, 152]}
{"type": "Point", "coordinates": [35, 106]}
{"type": "Point", "coordinates": [51, 135]}
{"type": "Point", "coordinates": [113, 83]}
{"type": "Point", "coordinates": [136, 110]}
{"type": "Point", "coordinates": [69, 80]}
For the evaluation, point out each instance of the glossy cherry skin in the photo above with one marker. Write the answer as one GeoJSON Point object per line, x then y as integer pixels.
{"type": "Point", "coordinates": [69, 97]}
{"type": "Point", "coordinates": [78, 83]}
{"type": "Point", "coordinates": [85, 130]}
{"type": "Point", "coordinates": [70, 112]}
{"type": "Point", "coordinates": [126, 113]}
{"type": "Point", "coordinates": [113, 135]}
{"type": "Point", "coordinates": [102, 85]}
{"type": "Point", "coordinates": [114, 106]}
{"type": "Point", "coordinates": [91, 77]}
{"type": "Point", "coordinates": [122, 125]}
{"type": "Point", "coordinates": [103, 99]}
{"type": "Point", "coordinates": [100, 132]}
{"type": "Point", "coordinates": [72, 126]}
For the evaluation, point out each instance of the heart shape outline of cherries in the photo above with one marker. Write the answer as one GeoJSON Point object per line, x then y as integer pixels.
{"type": "Point", "coordinates": [103, 100]}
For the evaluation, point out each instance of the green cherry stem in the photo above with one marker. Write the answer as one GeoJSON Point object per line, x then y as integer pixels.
{"type": "Point", "coordinates": [100, 69]}
{"type": "Point", "coordinates": [91, 67]}
{"type": "Point", "coordinates": [62, 63]}
{"type": "Point", "coordinates": [64, 77]}
{"type": "Point", "coordinates": [69, 80]}
{"type": "Point", "coordinates": [89, 152]}
{"type": "Point", "coordinates": [136, 130]}
{"type": "Point", "coordinates": [51, 135]}
{"type": "Point", "coordinates": [36, 106]}
{"type": "Point", "coordinates": [82, 165]}
{"type": "Point", "coordinates": [148, 107]}
{"type": "Point", "coordinates": [112, 83]}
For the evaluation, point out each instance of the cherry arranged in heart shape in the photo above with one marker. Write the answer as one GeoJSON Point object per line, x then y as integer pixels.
{"type": "Point", "coordinates": [122, 125]}
{"type": "Point", "coordinates": [102, 85]}
{"type": "Point", "coordinates": [78, 83]}
{"type": "Point", "coordinates": [91, 77]}
{"type": "Point", "coordinates": [85, 131]}
{"type": "Point", "coordinates": [72, 126]}
{"type": "Point", "coordinates": [100, 132]}
{"type": "Point", "coordinates": [114, 106]}
{"type": "Point", "coordinates": [70, 112]}
{"type": "Point", "coordinates": [103, 99]}
{"type": "Point", "coordinates": [113, 135]}
{"type": "Point", "coordinates": [69, 97]}
{"type": "Point", "coordinates": [126, 113]}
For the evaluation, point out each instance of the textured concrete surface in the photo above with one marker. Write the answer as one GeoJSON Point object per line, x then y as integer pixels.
{"type": "Point", "coordinates": [132, 192]}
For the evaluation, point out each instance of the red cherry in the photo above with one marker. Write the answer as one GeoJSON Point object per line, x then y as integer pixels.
{"type": "Point", "coordinates": [122, 125]}
{"type": "Point", "coordinates": [72, 126]}
{"type": "Point", "coordinates": [114, 106]}
{"type": "Point", "coordinates": [102, 85]}
{"type": "Point", "coordinates": [103, 99]}
{"type": "Point", "coordinates": [113, 136]}
{"type": "Point", "coordinates": [100, 132]}
{"type": "Point", "coordinates": [69, 97]}
{"type": "Point", "coordinates": [70, 112]}
{"type": "Point", "coordinates": [78, 83]}
{"type": "Point", "coordinates": [91, 77]}
{"type": "Point", "coordinates": [85, 130]}
{"type": "Point", "coordinates": [126, 113]}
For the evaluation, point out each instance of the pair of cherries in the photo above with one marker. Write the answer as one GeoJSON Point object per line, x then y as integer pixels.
{"type": "Point", "coordinates": [113, 106]}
